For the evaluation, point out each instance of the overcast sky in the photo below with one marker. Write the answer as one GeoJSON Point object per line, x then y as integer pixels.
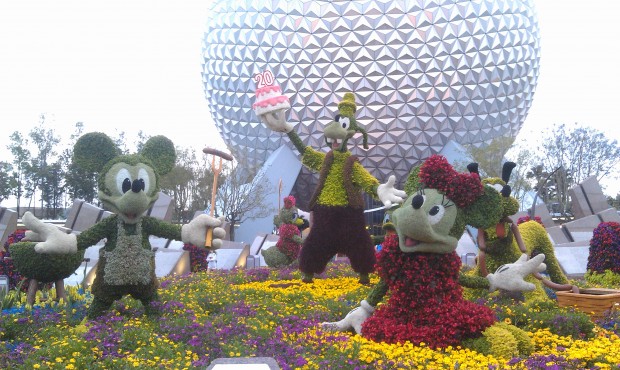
{"type": "Point", "coordinates": [135, 64]}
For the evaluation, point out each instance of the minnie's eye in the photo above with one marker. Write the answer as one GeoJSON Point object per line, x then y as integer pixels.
{"type": "Point", "coordinates": [435, 214]}
{"type": "Point", "coordinates": [345, 122]}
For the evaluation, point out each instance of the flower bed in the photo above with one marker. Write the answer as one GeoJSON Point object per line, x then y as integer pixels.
{"type": "Point", "coordinates": [269, 313]}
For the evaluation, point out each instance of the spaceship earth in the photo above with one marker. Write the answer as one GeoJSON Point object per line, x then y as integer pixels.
{"type": "Point", "coordinates": [424, 72]}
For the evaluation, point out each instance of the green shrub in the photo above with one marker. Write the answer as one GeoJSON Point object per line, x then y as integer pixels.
{"type": "Point", "coordinates": [605, 279]}
{"type": "Point", "coordinates": [44, 267]}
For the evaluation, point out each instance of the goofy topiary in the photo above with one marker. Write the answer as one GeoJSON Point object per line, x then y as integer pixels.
{"type": "Point", "coordinates": [128, 187]}
{"type": "Point", "coordinates": [420, 269]}
{"type": "Point", "coordinates": [337, 205]}
{"type": "Point", "coordinates": [506, 241]}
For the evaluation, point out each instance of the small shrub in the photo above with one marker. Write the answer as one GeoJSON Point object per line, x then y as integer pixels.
{"type": "Point", "coordinates": [605, 248]}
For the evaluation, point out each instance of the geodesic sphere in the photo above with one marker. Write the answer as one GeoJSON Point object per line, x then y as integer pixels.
{"type": "Point", "coordinates": [424, 72]}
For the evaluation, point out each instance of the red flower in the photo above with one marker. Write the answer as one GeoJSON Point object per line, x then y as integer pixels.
{"type": "Point", "coordinates": [426, 303]}
{"type": "Point", "coordinates": [289, 202]}
{"type": "Point", "coordinates": [461, 188]}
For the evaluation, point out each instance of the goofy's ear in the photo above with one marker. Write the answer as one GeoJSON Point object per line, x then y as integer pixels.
{"type": "Point", "coordinates": [506, 171]}
{"type": "Point", "coordinates": [93, 150]}
{"type": "Point", "coordinates": [160, 151]}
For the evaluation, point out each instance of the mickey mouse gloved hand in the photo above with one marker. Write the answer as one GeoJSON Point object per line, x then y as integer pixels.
{"type": "Point", "coordinates": [194, 231]}
{"type": "Point", "coordinates": [510, 277]}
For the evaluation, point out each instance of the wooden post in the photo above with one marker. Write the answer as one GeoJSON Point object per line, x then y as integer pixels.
{"type": "Point", "coordinates": [216, 173]}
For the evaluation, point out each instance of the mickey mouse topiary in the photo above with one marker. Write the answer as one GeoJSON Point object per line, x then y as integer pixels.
{"type": "Point", "coordinates": [128, 187]}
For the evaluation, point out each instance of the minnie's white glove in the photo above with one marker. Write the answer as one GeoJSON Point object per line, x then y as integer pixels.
{"type": "Point", "coordinates": [510, 277]}
{"type": "Point", "coordinates": [354, 319]}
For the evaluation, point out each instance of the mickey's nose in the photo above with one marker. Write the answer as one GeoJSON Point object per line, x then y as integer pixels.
{"type": "Point", "coordinates": [417, 201]}
{"type": "Point", "coordinates": [137, 185]}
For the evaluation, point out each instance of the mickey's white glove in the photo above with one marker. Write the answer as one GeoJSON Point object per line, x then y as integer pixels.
{"type": "Point", "coordinates": [194, 232]}
{"type": "Point", "coordinates": [276, 120]}
{"type": "Point", "coordinates": [388, 194]}
{"type": "Point", "coordinates": [354, 319]}
{"type": "Point", "coordinates": [510, 277]}
{"type": "Point", "coordinates": [50, 239]}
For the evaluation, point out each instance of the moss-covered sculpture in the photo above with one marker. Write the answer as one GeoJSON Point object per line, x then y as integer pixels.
{"type": "Point", "coordinates": [42, 268]}
{"type": "Point", "coordinates": [420, 270]}
{"type": "Point", "coordinates": [505, 241]}
{"type": "Point", "coordinates": [337, 204]}
{"type": "Point", "coordinates": [128, 186]}
{"type": "Point", "coordinates": [286, 250]}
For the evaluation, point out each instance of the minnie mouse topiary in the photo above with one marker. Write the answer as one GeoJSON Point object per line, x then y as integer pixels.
{"type": "Point", "coordinates": [421, 270]}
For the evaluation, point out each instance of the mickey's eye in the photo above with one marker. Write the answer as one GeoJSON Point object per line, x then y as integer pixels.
{"type": "Point", "coordinates": [144, 176]}
{"type": "Point", "coordinates": [345, 122]}
{"type": "Point", "coordinates": [123, 181]}
{"type": "Point", "coordinates": [498, 187]}
{"type": "Point", "coordinates": [435, 214]}
{"type": "Point", "coordinates": [126, 185]}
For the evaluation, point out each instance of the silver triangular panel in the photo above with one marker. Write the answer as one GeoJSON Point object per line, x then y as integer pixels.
{"type": "Point", "coordinates": [424, 71]}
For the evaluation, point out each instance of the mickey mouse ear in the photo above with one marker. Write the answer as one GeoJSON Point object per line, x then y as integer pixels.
{"type": "Point", "coordinates": [93, 150]}
{"type": "Point", "coordinates": [160, 150]}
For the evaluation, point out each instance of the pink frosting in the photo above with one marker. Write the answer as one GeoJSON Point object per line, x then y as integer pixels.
{"type": "Point", "coordinates": [270, 102]}
{"type": "Point", "coordinates": [267, 89]}
{"type": "Point", "coordinates": [263, 102]}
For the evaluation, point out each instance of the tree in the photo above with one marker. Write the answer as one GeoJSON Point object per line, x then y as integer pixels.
{"type": "Point", "coordinates": [18, 145]}
{"type": "Point", "coordinates": [46, 179]}
{"type": "Point", "coordinates": [518, 180]}
{"type": "Point", "coordinates": [7, 182]}
{"type": "Point", "coordinates": [81, 183]}
{"type": "Point", "coordinates": [241, 197]}
{"type": "Point", "coordinates": [490, 157]}
{"type": "Point", "coordinates": [188, 183]}
{"type": "Point", "coordinates": [571, 155]}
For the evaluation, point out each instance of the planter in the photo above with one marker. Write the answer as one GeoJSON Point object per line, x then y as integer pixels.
{"type": "Point", "coordinates": [593, 301]}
